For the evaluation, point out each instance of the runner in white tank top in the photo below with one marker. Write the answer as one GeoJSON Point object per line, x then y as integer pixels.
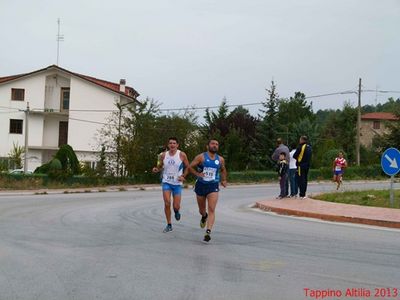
{"type": "Point", "coordinates": [173, 168]}
{"type": "Point", "coordinates": [174, 165]}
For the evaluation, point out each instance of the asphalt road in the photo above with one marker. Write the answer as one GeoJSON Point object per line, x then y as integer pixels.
{"type": "Point", "coordinates": [111, 246]}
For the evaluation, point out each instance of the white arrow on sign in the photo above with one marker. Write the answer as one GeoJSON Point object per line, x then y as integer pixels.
{"type": "Point", "coordinates": [393, 162]}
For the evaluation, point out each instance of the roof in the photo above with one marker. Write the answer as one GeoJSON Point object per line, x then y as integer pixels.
{"type": "Point", "coordinates": [380, 116]}
{"type": "Point", "coordinates": [129, 91]}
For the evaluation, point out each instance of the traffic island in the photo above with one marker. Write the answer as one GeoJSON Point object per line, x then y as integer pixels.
{"type": "Point", "coordinates": [336, 212]}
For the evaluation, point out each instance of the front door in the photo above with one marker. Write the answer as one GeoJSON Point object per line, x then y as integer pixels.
{"type": "Point", "coordinates": [63, 133]}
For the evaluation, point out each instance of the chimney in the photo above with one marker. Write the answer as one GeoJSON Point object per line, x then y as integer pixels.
{"type": "Point", "coordinates": [122, 83]}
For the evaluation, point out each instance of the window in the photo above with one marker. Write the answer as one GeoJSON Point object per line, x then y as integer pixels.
{"type": "Point", "coordinates": [16, 126]}
{"type": "Point", "coordinates": [377, 125]}
{"type": "Point", "coordinates": [18, 94]}
{"type": "Point", "coordinates": [64, 98]}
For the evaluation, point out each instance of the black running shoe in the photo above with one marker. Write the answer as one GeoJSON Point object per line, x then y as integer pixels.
{"type": "Point", "coordinates": [167, 228]}
{"type": "Point", "coordinates": [177, 215]}
{"type": "Point", "coordinates": [203, 221]}
{"type": "Point", "coordinates": [207, 236]}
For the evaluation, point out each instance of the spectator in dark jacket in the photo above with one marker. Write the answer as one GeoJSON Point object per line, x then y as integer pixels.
{"type": "Point", "coordinates": [282, 169]}
{"type": "Point", "coordinates": [281, 147]}
{"type": "Point", "coordinates": [303, 157]}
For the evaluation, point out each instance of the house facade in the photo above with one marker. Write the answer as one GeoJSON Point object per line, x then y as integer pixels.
{"type": "Point", "coordinates": [64, 108]}
{"type": "Point", "coordinates": [373, 124]}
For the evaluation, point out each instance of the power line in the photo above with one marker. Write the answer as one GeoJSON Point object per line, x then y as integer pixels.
{"type": "Point", "coordinates": [89, 121]}
{"type": "Point", "coordinates": [380, 91]}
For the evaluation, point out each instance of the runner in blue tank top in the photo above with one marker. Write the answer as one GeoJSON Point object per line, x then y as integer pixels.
{"type": "Point", "coordinates": [209, 168]}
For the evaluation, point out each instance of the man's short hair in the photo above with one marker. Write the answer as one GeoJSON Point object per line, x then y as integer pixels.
{"type": "Point", "coordinates": [209, 141]}
{"type": "Point", "coordinates": [279, 141]}
{"type": "Point", "coordinates": [172, 138]}
{"type": "Point", "coordinates": [304, 138]}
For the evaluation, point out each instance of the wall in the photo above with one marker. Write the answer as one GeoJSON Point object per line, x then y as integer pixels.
{"type": "Point", "coordinates": [368, 132]}
{"type": "Point", "coordinates": [34, 94]}
{"type": "Point", "coordinates": [54, 83]}
{"type": "Point", "coordinates": [87, 96]}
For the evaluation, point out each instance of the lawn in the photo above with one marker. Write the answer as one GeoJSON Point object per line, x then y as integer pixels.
{"type": "Point", "coordinates": [379, 198]}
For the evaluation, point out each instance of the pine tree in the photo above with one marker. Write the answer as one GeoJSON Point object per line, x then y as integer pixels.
{"type": "Point", "coordinates": [266, 130]}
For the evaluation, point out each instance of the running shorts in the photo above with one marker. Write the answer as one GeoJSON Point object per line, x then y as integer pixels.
{"type": "Point", "coordinates": [175, 189]}
{"type": "Point", "coordinates": [203, 189]}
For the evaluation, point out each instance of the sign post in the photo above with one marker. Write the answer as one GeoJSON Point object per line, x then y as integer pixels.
{"type": "Point", "coordinates": [390, 162]}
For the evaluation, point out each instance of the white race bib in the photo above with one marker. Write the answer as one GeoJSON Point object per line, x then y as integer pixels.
{"type": "Point", "coordinates": [209, 174]}
{"type": "Point", "coordinates": [338, 168]}
{"type": "Point", "coordinates": [170, 177]}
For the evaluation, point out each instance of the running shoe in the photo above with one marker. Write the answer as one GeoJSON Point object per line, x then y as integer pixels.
{"type": "Point", "coordinates": [177, 215]}
{"type": "Point", "coordinates": [167, 228]}
{"type": "Point", "coordinates": [207, 236]}
{"type": "Point", "coordinates": [203, 221]}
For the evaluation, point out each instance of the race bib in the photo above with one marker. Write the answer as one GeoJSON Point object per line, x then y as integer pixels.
{"type": "Point", "coordinates": [170, 177]}
{"type": "Point", "coordinates": [338, 168]}
{"type": "Point", "coordinates": [209, 174]}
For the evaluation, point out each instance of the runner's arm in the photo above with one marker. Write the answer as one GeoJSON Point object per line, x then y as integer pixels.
{"type": "Point", "coordinates": [185, 166]}
{"type": "Point", "coordinates": [224, 173]}
{"type": "Point", "coordinates": [160, 163]}
{"type": "Point", "coordinates": [192, 167]}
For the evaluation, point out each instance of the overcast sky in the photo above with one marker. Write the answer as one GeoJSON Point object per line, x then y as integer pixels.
{"type": "Point", "coordinates": [184, 52]}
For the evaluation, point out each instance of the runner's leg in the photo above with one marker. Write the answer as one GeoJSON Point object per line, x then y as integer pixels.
{"type": "Point", "coordinates": [212, 203]}
{"type": "Point", "coordinates": [167, 205]}
{"type": "Point", "coordinates": [201, 201]}
{"type": "Point", "coordinates": [177, 204]}
{"type": "Point", "coordinates": [177, 197]}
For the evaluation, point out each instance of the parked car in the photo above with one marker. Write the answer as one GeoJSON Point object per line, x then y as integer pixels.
{"type": "Point", "coordinates": [21, 171]}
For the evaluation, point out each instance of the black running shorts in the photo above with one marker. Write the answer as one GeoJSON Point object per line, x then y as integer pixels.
{"type": "Point", "coordinates": [203, 189]}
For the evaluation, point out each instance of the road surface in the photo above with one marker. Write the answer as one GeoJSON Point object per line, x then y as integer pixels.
{"type": "Point", "coordinates": [111, 246]}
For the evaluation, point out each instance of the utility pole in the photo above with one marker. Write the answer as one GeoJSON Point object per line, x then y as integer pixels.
{"type": "Point", "coordinates": [119, 137]}
{"type": "Point", "coordinates": [358, 123]}
{"type": "Point", "coordinates": [26, 138]}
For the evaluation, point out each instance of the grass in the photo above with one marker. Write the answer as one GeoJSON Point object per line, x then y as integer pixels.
{"type": "Point", "coordinates": [378, 198]}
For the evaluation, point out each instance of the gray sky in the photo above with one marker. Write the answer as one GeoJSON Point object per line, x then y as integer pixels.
{"type": "Point", "coordinates": [184, 52]}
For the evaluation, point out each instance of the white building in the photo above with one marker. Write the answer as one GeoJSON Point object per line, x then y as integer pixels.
{"type": "Point", "coordinates": [64, 108]}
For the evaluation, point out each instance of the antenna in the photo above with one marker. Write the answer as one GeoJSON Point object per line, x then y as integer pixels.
{"type": "Point", "coordinates": [60, 38]}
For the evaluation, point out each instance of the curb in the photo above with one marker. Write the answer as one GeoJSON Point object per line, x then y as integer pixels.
{"type": "Point", "coordinates": [328, 217]}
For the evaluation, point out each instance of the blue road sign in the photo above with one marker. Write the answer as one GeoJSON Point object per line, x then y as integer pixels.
{"type": "Point", "coordinates": [390, 161]}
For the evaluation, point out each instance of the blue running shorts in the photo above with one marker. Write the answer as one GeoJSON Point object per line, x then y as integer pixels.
{"type": "Point", "coordinates": [175, 189]}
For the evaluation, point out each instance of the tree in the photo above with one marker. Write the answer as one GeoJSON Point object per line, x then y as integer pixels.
{"type": "Point", "coordinates": [102, 163]}
{"type": "Point", "coordinates": [291, 115]}
{"type": "Point", "coordinates": [64, 164]}
{"type": "Point", "coordinates": [240, 139]}
{"type": "Point", "coordinates": [341, 128]}
{"type": "Point", "coordinates": [267, 128]}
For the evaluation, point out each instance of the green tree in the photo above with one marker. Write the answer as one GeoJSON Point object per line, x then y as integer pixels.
{"type": "Point", "coordinates": [101, 167]}
{"type": "Point", "coordinates": [291, 115]}
{"type": "Point", "coordinates": [64, 164]}
{"type": "Point", "coordinates": [341, 128]}
{"type": "Point", "coordinates": [266, 131]}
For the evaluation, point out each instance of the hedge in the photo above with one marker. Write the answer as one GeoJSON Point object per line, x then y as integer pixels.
{"type": "Point", "coordinates": [37, 181]}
